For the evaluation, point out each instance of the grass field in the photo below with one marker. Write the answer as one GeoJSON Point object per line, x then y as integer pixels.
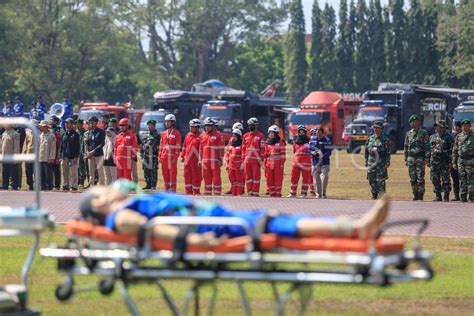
{"type": "Point", "coordinates": [450, 292]}
{"type": "Point", "coordinates": [347, 179]}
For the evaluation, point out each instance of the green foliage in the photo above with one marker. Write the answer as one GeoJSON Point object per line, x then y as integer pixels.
{"type": "Point", "coordinates": [376, 37]}
{"type": "Point", "coordinates": [456, 46]}
{"type": "Point", "coordinates": [328, 53]}
{"type": "Point", "coordinates": [396, 44]}
{"type": "Point", "coordinates": [315, 70]}
{"type": "Point", "coordinates": [344, 52]}
{"type": "Point", "coordinates": [295, 55]}
{"type": "Point", "coordinates": [363, 48]}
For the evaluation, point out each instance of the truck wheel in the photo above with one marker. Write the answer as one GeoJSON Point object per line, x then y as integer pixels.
{"type": "Point", "coordinates": [392, 142]}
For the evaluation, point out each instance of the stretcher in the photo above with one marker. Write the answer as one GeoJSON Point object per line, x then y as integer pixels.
{"type": "Point", "coordinates": [128, 260]}
{"type": "Point", "coordinates": [22, 221]}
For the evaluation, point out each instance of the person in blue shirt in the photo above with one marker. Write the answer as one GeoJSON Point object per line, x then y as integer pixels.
{"type": "Point", "coordinates": [125, 214]}
{"type": "Point", "coordinates": [40, 109]}
{"type": "Point", "coordinates": [19, 107]}
{"type": "Point", "coordinates": [8, 110]}
{"type": "Point", "coordinates": [320, 148]}
{"type": "Point", "coordinates": [68, 111]}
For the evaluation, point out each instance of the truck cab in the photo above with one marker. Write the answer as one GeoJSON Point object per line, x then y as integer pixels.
{"type": "Point", "coordinates": [370, 112]}
{"type": "Point", "coordinates": [98, 109]}
{"type": "Point", "coordinates": [158, 116]}
{"type": "Point", "coordinates": [309, 118]}
{"type": "Point", "coordinates": [465, 110]}
{"type": "Point", "coordinates": [224, 113]}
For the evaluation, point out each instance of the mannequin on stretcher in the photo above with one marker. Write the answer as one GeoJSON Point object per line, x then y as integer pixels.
{"type": "Point", "coordinates": [126, 214]}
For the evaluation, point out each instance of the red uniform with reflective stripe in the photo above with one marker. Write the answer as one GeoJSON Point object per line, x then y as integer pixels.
{"type": "Point", "coordinates": [233, 159]}
{"type": "Point", "coordinates": [253, 146]}
{"type": "Point", "coordinates": [212, 150]}
{"type": "Point", "coordinates": [192, 171]}
{"type": "Point", "coordinates": [125, 149]}
{"type": "Point", "coordinates": [169, 151]}
{"type": "Point", "coordinates": [274, 159]}
{"type": "Point", "coordinates": [301, 165]}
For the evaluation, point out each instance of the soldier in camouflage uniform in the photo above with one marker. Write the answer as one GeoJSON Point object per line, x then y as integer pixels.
{"type": "Point", "coordinates": [454, 172]}
{"type": "Point", "coordinates": [417, 152]}
{"type": "Point", "coordinates": [82, 171]}
{"type": "Point", "coordinates": [440, 161]}
{"type": "Point", "coordinates": [463, 160]}
{"type": "Point", "coordinates": [149, 153]}
{"type": "Point", "coordinates": [377, 160]}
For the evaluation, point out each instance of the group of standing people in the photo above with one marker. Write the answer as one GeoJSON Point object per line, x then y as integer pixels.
{"type": "Point", "coordinates": [448, 157]}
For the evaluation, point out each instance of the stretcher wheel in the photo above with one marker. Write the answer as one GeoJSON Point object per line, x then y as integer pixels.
{"type": "Point", "coordinates": [106, 287]}
{"type": "Point", "coordinates": [64, 292]}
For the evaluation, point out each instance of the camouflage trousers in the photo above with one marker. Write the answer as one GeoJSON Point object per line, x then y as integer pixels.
{"type": "Point", "coordinates": [466, 176]}
{"type": "Point", "coordinates": [440, 177]}
{"type": "Point", "coordinates": [83, 173]}
{"type": "Point", "coordinates": [150, 171]}
{"type": "Point", "coordinates": [377, 180]}
{"type": "Point", "coordinates": [416, 171]}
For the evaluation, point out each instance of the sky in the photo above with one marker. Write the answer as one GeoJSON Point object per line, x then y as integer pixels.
{"type": "Point", "coordinates": [308, 4]}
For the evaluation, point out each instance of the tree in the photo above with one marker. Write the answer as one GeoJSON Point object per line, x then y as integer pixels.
{"type": "Point", "coordinates": [344, 52]}
{"type": "Point", "coordinates": [397, 45]}
{"type": "Point", "coordinates": [363, 49]}
{"type": "Point", "coordinates": [8, 49]}
{"type": "Point", "coordinates": [416, 44]}
{"type": "Point", "coordinates": [457, 52]}
{"type": "Point", "coordinates": [315, 67]}
{"type": "Point", "coordinates": [376, 36]}
{"type": "Point", "coordinates": [295, 55]}
{"type": "Point", "coordinates": [328, 60]}
{"type": "Point", "coordinates": [430, 54]}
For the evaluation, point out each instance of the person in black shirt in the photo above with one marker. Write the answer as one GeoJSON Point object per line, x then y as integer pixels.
{"type": "Point", "coordinates": [94, 151]}
{"type": "Point", "coordinates": [70, 151]}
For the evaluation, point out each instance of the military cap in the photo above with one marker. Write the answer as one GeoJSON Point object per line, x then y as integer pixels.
{"type": "Point", "coordinates": [440, 123]}
{"type": "Point", "coordinates": [44, 123]}
{"type": "Point", "coordinates": [80, 121]}
{"type": "Point", "coordinates": [412, 118]}
{"type": "Point", "coordinates": [457, 123]}
{"type": "Point", "coordinates": [466, 121]}
{"type": "Point", "coordinates": [94, 119]}
{"type": "Point", "coordinates": [113, 120]}
{"type": "Point", "coordinates": [151, 122]}
{"type": "Point", "coordinates": [378, 124]}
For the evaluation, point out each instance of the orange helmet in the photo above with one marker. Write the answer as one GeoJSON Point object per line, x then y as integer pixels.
{"type": "Point", "coordinates": [123, 121]}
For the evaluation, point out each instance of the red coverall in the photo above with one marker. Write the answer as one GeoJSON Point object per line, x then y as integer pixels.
{"type": "Point", "coordinates": [301, 164]}
{"type": "Point", "coordinates": [233, 160]}
{"type": "Point", "coordinates": [169, 151]}
{"type": "Point", "coordinates": [274, 159]}
{"type": "Point", "coordinates": [125, 149]}
{"type": "Point", "coordinates": [192, 170]}
{"type": "Point", "coordinates": [253, 147]}
{"type": "Point", "coordinates": [212, 149]}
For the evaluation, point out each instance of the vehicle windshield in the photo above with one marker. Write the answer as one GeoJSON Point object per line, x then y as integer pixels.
{"type": "Point", "coordinates": [87, 114]}
{"type": "Point", "coordinates": [371, 111]}
{"type": "Point", "coordinates": [305, 118]}
{"type": "Point", "coordinates": [462, 114]}
{"type": "Point", "coordinates": [157, 116]}
{"type": "Point", "coordinates": [221, 113]}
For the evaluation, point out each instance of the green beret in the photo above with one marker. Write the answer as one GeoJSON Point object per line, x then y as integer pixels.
{"type": "Point", "coordinates": [378, 124]}
{"type": "Point", "coordinates": [466, 121]}
{"type": "Point", "coordinates": [151, 122]}
{"type": "Point", "coordinates": [80, 121]}
{"type": "Point", "coordinates": [412, 118]}
{"type": "Point", "coordinates": [113, 120]}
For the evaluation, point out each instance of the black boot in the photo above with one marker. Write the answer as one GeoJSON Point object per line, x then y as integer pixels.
{"type": "Point", "coordinates": [438, 198]}
{"type": "Point", "coordinates": [374, 196]}
{"type": "Point", "coordinates": [446, 196]}
{"type": "Point", "coordinates": [415, 196]}
{"type": "Point", "coordinates": [463, 197]}
{"type": "Point", "coordinates": [420, 196]}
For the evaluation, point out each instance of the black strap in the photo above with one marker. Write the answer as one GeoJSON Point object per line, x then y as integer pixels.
{"type": "Point", "coordinates": [261, 227]}
{"type": "Point", "coordinates": [180, 244]}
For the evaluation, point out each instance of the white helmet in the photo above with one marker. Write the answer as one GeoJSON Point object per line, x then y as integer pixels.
{"type": "Point", "coordinates": [195, 123]}
{"type": "Point", "coordinates": [209, 121]}
{"type": "Point", "coordinates": [237, 131]}
{"type": "Point", "coordinates": [274, 129]}
{"type": "Point", "coordinates": [252, 121]}
{"type": "Point", "coordinates": [238, 125]}
{"type": "Point", "coordinates": [170, 117]}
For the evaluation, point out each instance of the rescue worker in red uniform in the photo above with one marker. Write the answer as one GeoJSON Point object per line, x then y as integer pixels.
{"type": "Point", "coordinates": [233, 161]}
{"type": "Point", "coordinates": [190, 158]}
{"type": "Point", "coordinates": [274, 161]}
{"type": "Point", "coordinates": [170, 145]}
{"type": "Point", "coordinates": [211, 153]}
{"type": "Point", "coordinates": [301, 163]}
{"type": "Point", "coordinates": [239, 126]}
{"type": "Point", "coordinates": [125, 149]}
{"type": "Point", "coordinates": [253, 146]}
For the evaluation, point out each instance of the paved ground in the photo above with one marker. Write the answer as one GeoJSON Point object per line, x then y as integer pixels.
{"type": "Point", "coordinates": [446, 219]}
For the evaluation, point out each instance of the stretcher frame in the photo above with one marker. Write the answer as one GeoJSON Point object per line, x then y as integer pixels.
{"type": "Point", "coordinates": [126, 265]}
{"type": "Point", "coordinates": [30, 221]}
